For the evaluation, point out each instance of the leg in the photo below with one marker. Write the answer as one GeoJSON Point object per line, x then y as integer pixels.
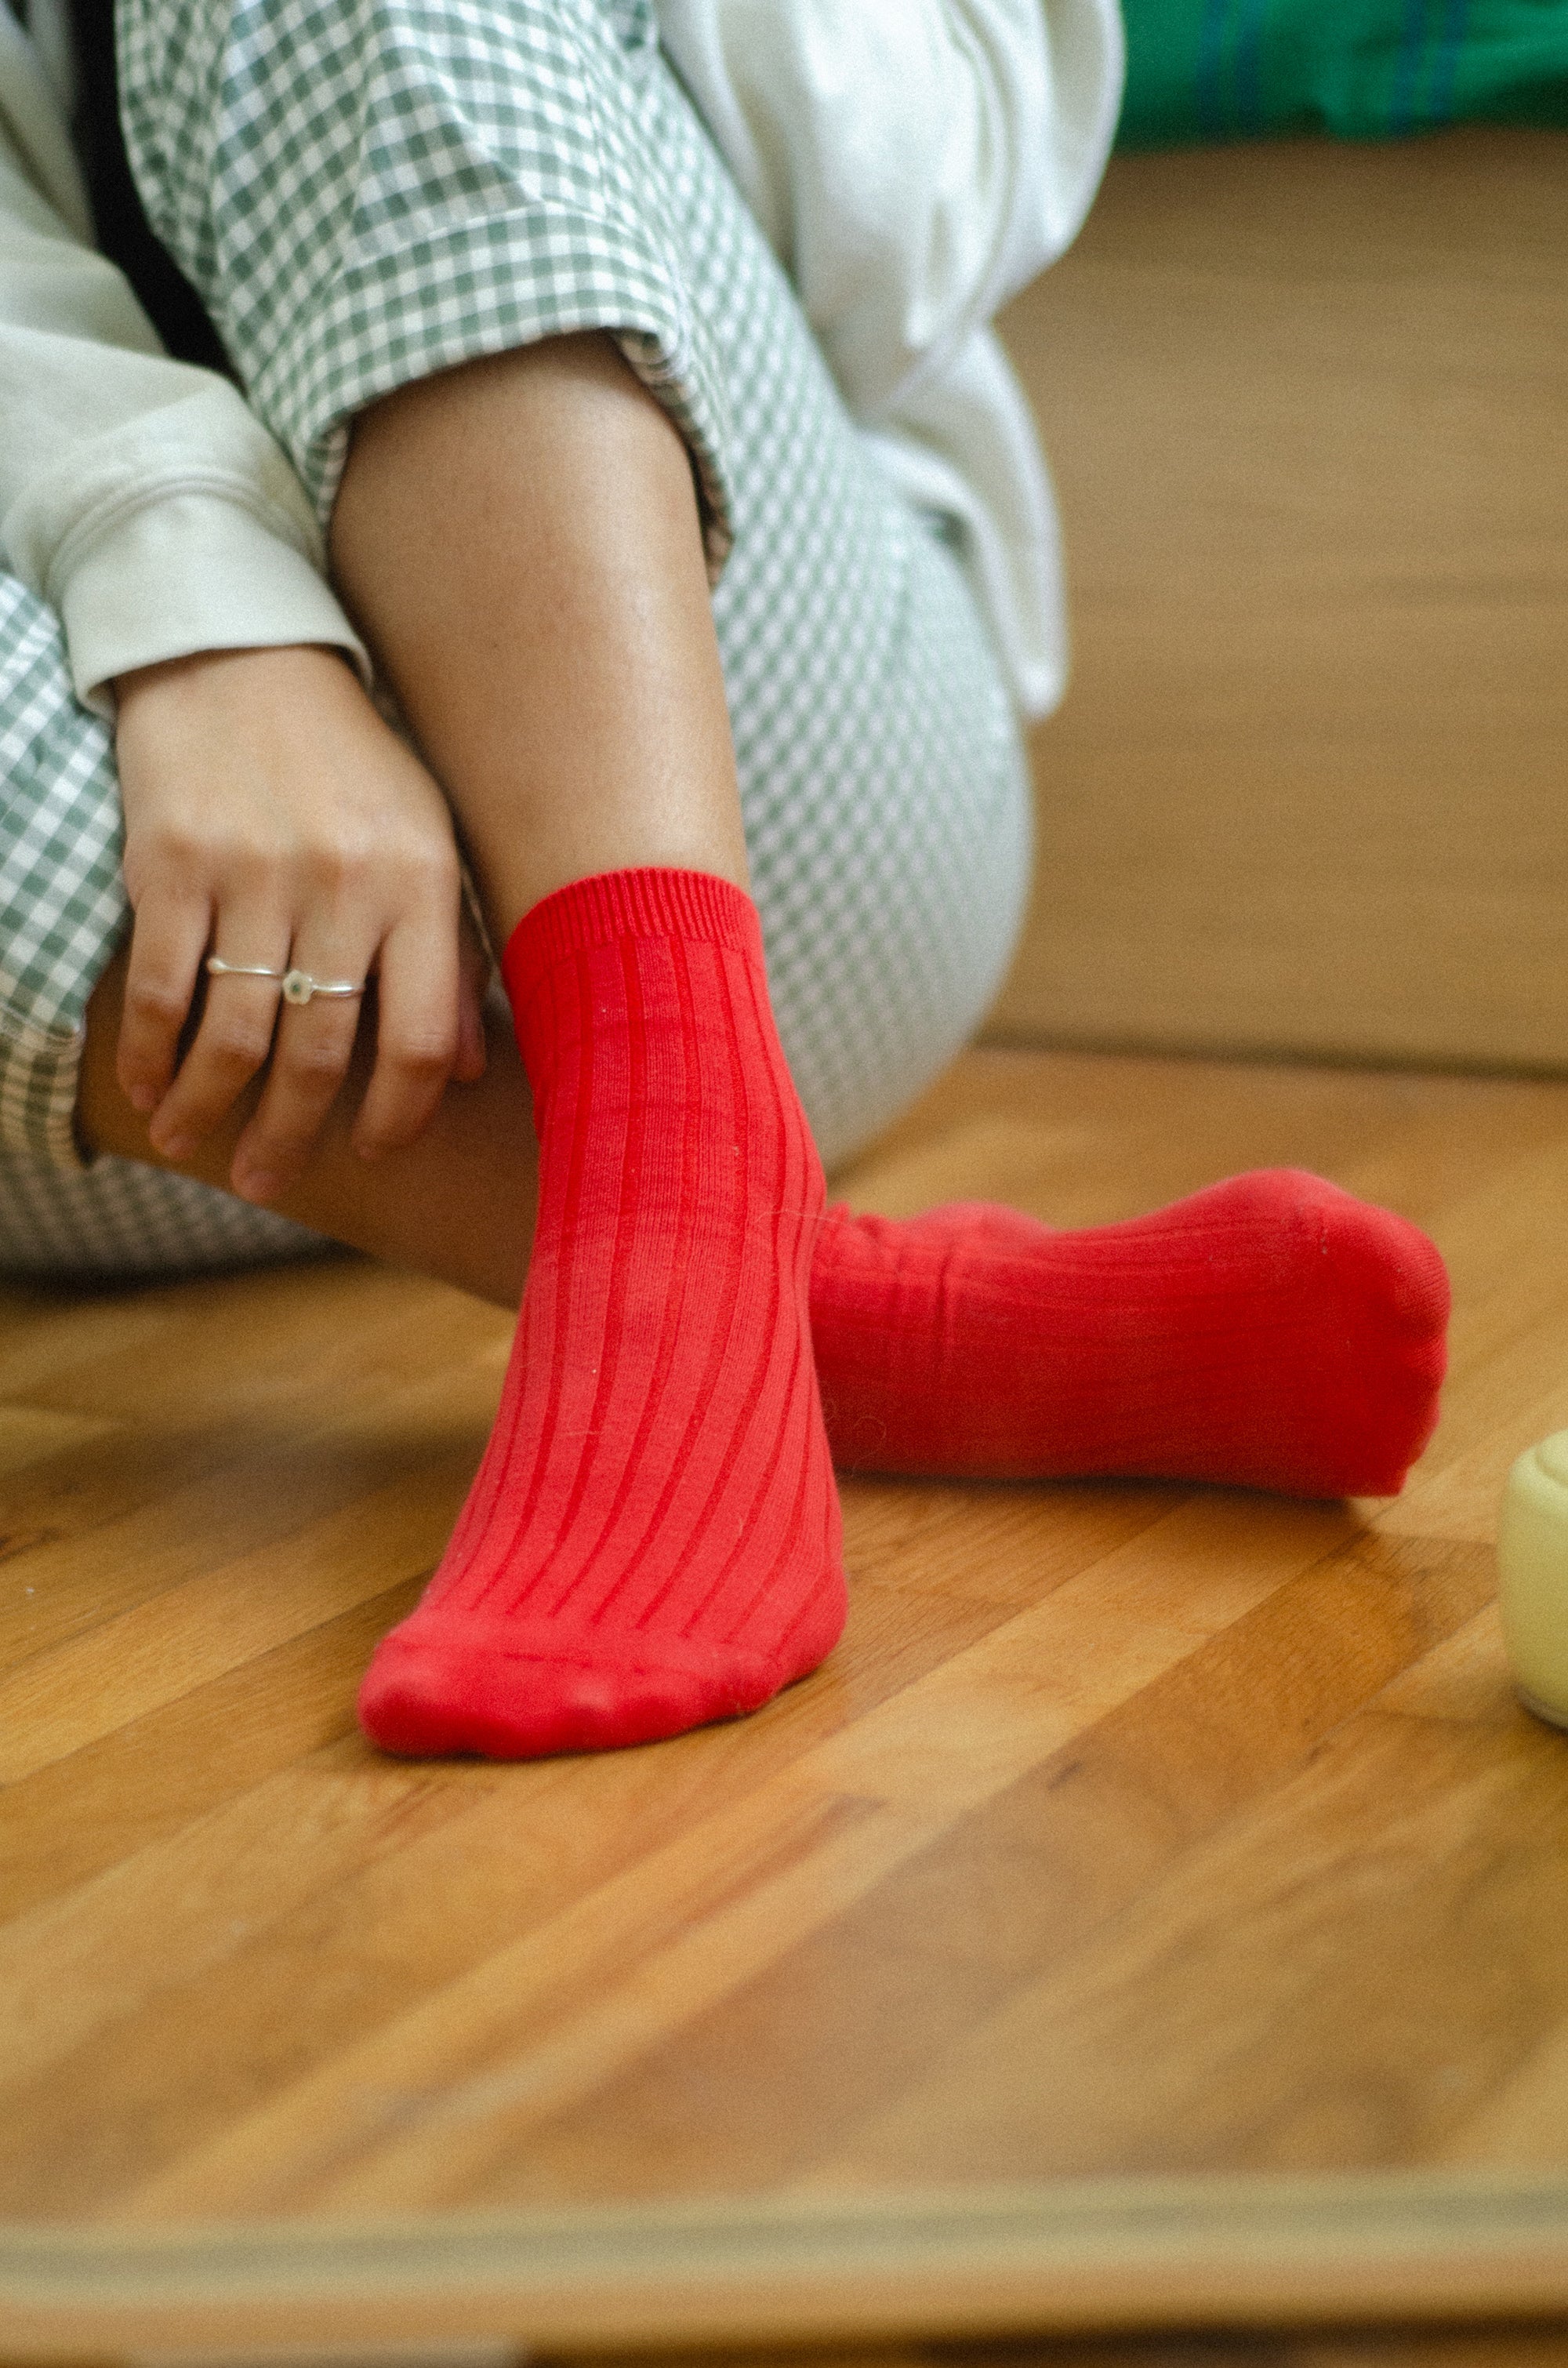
{"type": "Point", "coordinates": [706, 1558]}
{"type": "Point", "coordinates": [651, 1539]}
{"type": "Point", "coordinates": [479, 1156]}
{"type": "Point", "coordinates": [1271, 1331]}
{"type": "Point", "coordinates": [881, 778]}
{"type": "Point", "coordinates": [521, 542]}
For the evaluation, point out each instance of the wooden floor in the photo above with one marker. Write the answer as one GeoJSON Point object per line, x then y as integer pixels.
{"type": "Point", "coordinates": [1132, 1834]}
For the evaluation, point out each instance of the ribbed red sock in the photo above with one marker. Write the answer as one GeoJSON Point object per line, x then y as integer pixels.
{"type": "Point", "coordinates": [653, 1539]}
{"type": "Point", "coordinates": [1270, 1332]}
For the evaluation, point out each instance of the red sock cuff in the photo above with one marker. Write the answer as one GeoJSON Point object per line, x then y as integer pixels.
{"type": "Point", "coordinates": [696, 906]}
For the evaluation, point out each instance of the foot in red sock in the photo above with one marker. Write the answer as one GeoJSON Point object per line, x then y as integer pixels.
{"type": "Point", "coordinates": [653, 1539]}
{"type": "Point", "coordinates": [1271, 1332]}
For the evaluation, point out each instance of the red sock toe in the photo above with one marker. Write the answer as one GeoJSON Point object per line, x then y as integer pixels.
{"type": "Point", "coordinates": [1271, 1332]}
{"type": "Point", "coordinates": [653, 1539]}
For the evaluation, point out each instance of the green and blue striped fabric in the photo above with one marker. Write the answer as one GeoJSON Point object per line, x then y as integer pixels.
{"type": "Point", "coordinates": [1205, 70]}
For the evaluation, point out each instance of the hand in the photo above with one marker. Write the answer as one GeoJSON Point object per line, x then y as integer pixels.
{"type": "Point", "coordinates": [272, 817]}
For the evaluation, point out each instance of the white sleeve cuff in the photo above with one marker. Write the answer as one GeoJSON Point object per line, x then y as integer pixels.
{"type": "Point", "coordinates": [186, 572]}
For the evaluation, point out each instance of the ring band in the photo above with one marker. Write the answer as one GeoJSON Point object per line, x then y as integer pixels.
{"type": "Point", "coordinates": [298, 985]}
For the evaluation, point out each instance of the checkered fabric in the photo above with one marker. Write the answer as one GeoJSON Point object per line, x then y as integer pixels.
{"type": "Point", "coordinates": [60, 893]}
{"type": "Point", "coordinates": [119, 1222]}
{"type": "Point", "coordinates": [364, 194]}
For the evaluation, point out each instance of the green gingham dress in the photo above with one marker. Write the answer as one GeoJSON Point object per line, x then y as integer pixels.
{"type": "Point", "coordinates": [364, 192]}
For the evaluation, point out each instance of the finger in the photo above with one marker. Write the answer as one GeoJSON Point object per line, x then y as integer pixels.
{"type": "Point", "coordinates": [416, 1034]}
{"type": "Point", "coordinates": [166, 947]}
{"type": "Point", "coordinates": [232, 1043]}
{"type": "Point", "coordinates": [310, 1053]}
{"type": "Point", "coordinates": [474, 984]}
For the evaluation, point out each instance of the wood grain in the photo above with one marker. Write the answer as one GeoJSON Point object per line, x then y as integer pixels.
{"type": "Point", "coordinates": [1303, 404]}
{"type": "Point", "coordinates": [1142, 1852]}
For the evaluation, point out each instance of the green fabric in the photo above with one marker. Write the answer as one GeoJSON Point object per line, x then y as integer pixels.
{"type": "Point", "coordinates": [1202, 70]}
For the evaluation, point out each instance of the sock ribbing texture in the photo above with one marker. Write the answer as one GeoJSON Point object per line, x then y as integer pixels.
{"type": "Point", "coordinates": [653, 1538]}
{"type": "Point", "coordinates": [1270, 1332]}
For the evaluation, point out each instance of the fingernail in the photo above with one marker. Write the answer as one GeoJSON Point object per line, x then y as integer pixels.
{"type": "Point", "coordinates": [142, 1098]}
{"type": "Point", "coordinates": [257, 1184]}
{"type": "Point", "coordinates": [174, 1146]}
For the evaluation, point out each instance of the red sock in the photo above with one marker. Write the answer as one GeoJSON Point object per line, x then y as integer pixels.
{"type": "Point", "coordinates": [1271, 1332]}
{"type": "Point", "coordinates": [652, 1539]}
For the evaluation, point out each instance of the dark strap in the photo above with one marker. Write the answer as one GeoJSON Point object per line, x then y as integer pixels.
{"type": "Point", "coordinates": [124, 234]}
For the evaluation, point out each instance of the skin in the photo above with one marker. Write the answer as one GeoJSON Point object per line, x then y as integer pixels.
{"type": "Point", "coordinates": [477, 1154]}
{"type": "Point", "coordinates": [520, 545]}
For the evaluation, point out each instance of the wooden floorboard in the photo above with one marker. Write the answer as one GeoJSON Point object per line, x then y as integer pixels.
{"type": "Point", "coordinates": [1135, 1839]}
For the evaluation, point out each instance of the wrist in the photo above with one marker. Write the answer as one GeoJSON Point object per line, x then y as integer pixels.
{"type": "Point", "coordinates": [283, 662]}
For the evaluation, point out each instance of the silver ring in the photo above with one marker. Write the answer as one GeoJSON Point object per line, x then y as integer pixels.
{"type": "Point", "coordinates": [298, 985]}
{"type": "Point", "coordinates": [240, 970]}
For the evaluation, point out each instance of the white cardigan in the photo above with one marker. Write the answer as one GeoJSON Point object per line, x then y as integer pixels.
{"type": "Point", "coordinates": [138, 497]}
{"type": "Point", "coordinates": [912, 162]}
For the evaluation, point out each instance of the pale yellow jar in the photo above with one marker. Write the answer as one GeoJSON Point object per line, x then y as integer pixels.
{"type": "Point", "coordinates": [1532, 1575]}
